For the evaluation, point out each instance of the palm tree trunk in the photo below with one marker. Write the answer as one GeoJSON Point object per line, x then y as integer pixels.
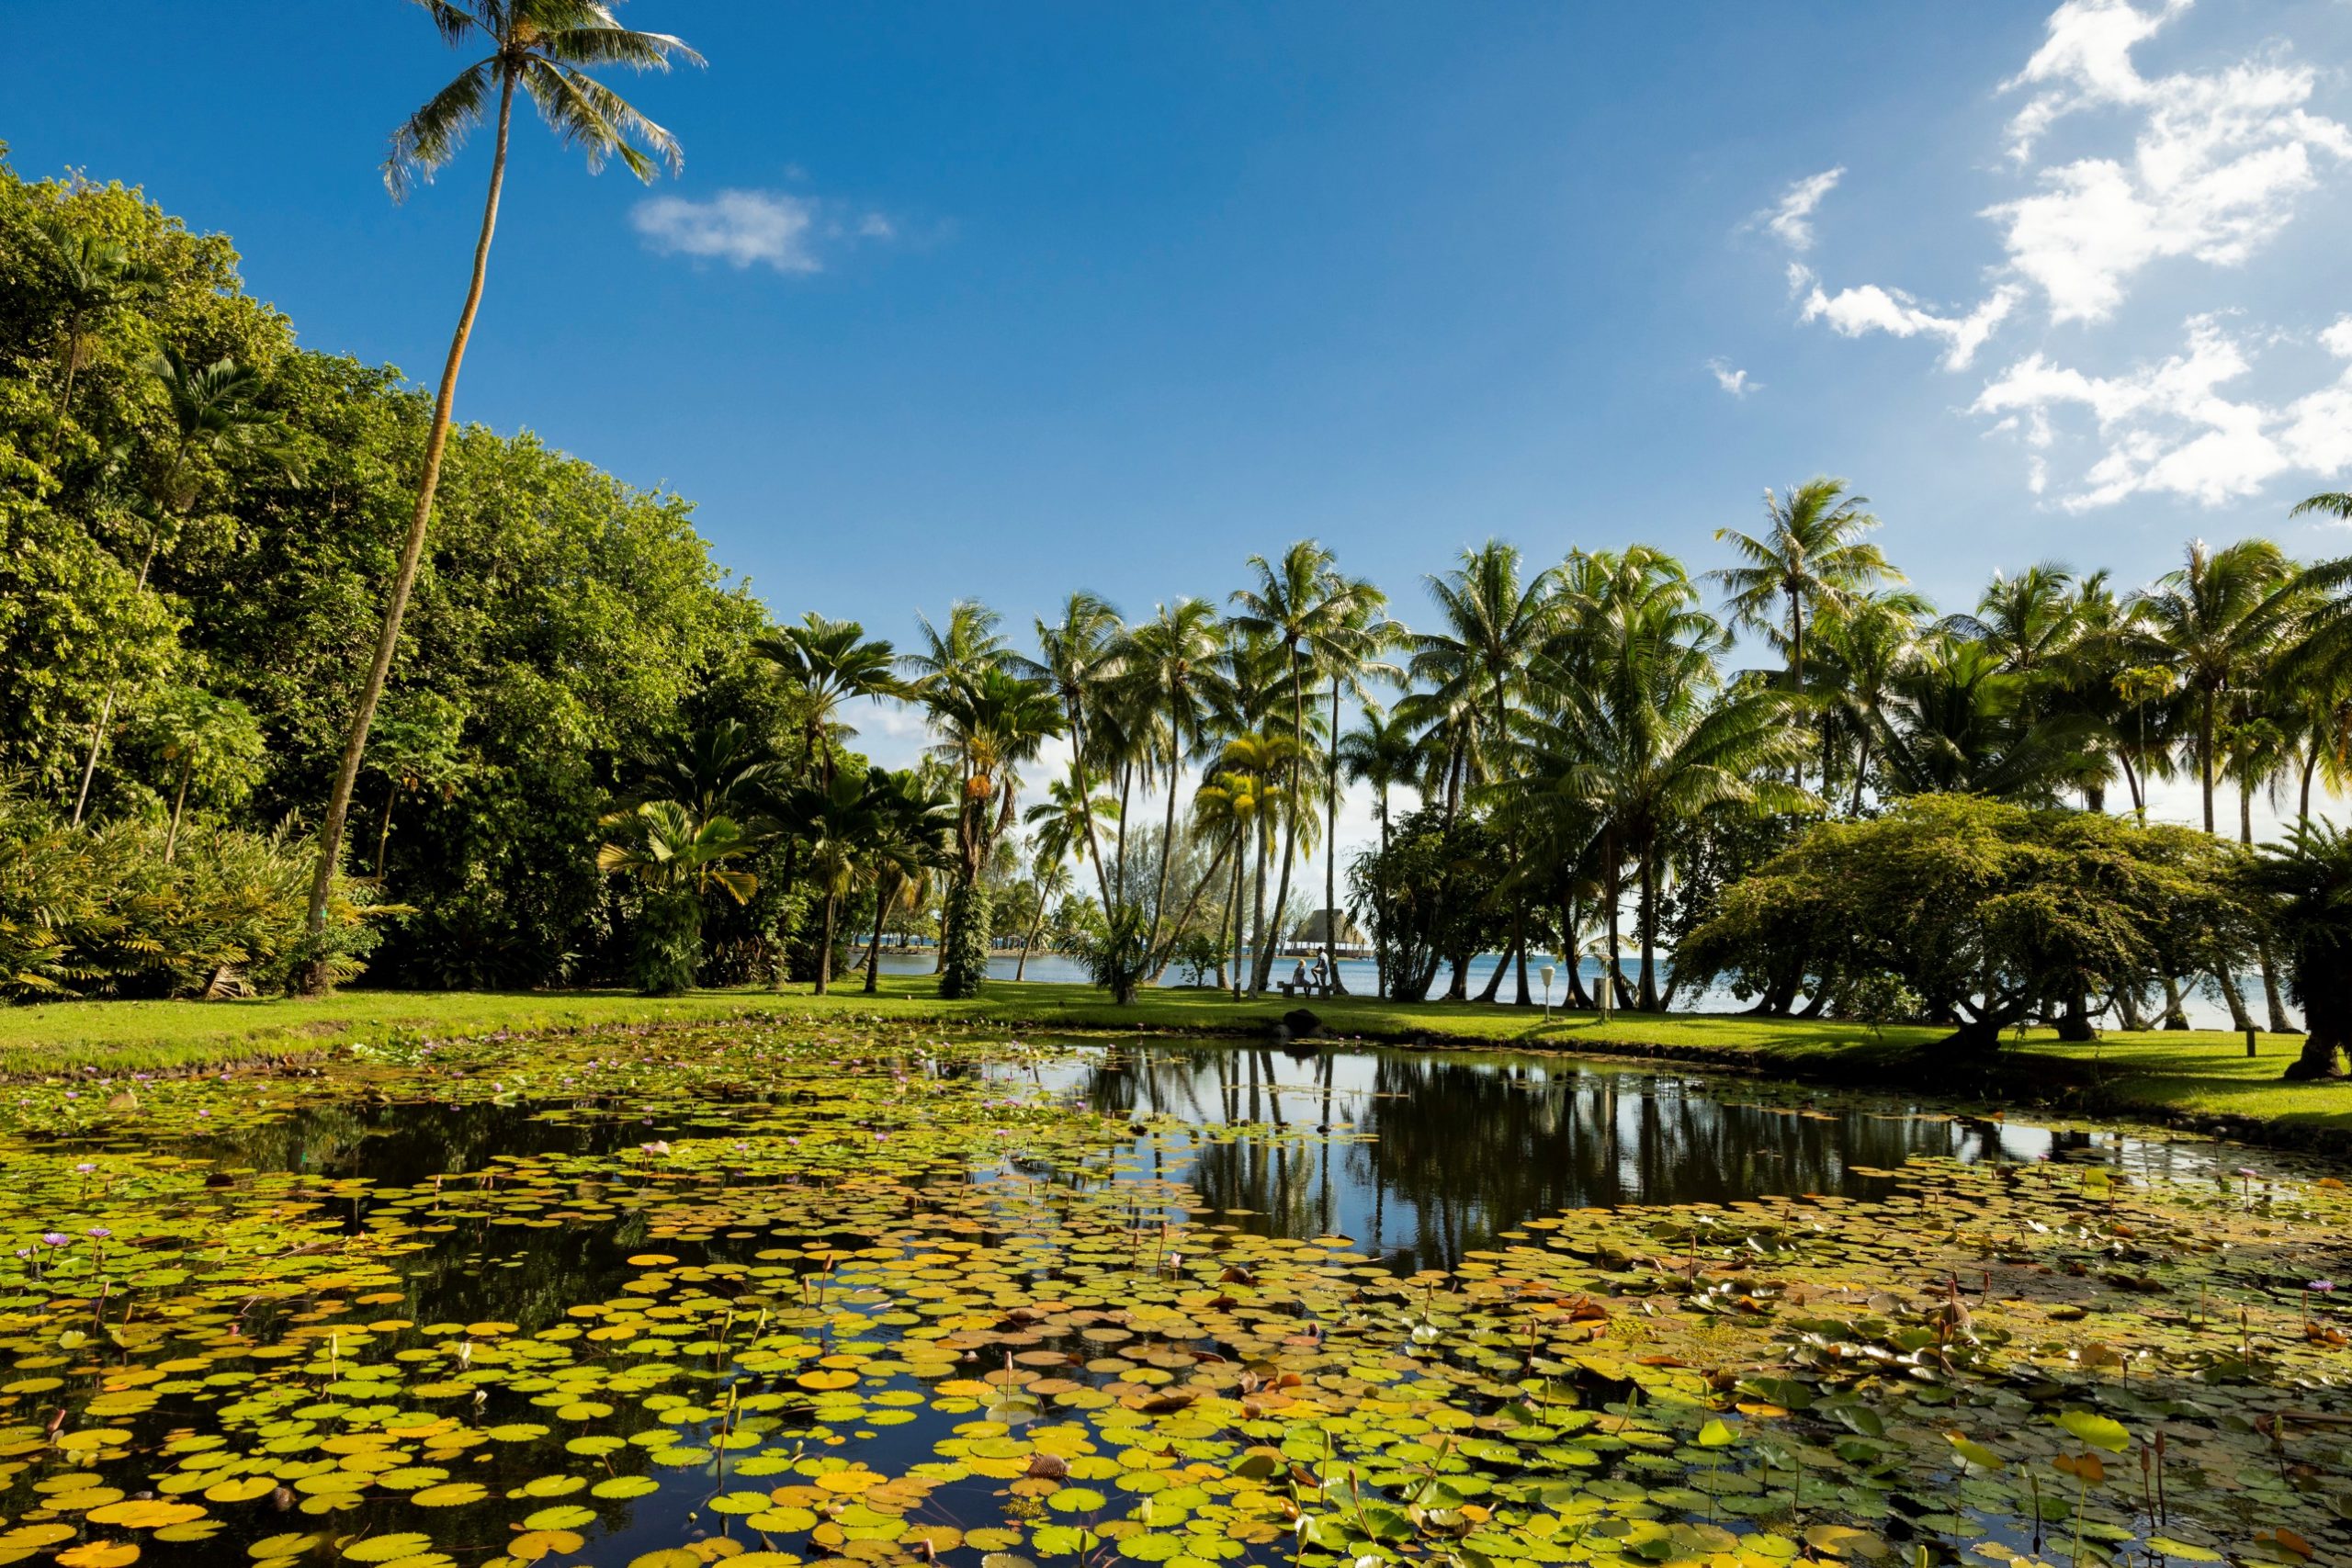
{"type": "Point", "coordinates": [2311, 763]}
{"type": "Point", "coordinates": [1127, 783]}
{"type": "Point", "coordinates": [825, 949]}
{"type": "Point", "coordinates": [883, 894]}
{"type": "Point", "coordinates": [1648, 919]}
{"type": "Point", "coordinates": [1331, 848]}
{"type": "Point", "coordinates": [1290, 815]}
{"type": "Point", "coordinates": [179, 801]}
{"type": "Point", "coordinates": [384, 834]}
{"type": "Point", "coordinates": [437, 441]}
{"type": "Point", "coordinates": [106, 708]}
{"type": "Point", "coordinates": [1234, 909]}
{"type": "Point", "coordinates": [1260, 956]}
{"type": "Point", "coordinates": [1160, 960]}
{"type": "Point", "coordinates": [2205, 754]}
{"type": "Point", "coordinates": [1029, 938]}
{"type": "Point", "coordinates": [1167, 839]}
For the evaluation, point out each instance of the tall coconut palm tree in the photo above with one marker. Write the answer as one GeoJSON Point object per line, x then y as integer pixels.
{"type": "Point", "coordinates": [1077, 656]}
{"type": "Point", "coordinates": [1383, 752]}
{"type": "Point", "coordinates": [1648, 740]}
{"type": "Point", "coordinates": [1809, 557]}
{"type": "Point", "coordinates": [1303, 603]}
{"type": "Point", "coordinates": [541, 48]}
{"type": "Point", "coordinates": [2214, 624]}
{"type": "Point", "coordinates": [1169, 670]}
{"type": "Point", "coordinates": [1348, 661]}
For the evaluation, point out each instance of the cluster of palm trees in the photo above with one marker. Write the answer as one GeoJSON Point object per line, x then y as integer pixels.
{"type": "Point", "coordinates": [1577, 746]}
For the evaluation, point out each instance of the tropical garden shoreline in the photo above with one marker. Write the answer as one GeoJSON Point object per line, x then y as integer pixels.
{"type": "Point", "coordinates": [2195, 1080]}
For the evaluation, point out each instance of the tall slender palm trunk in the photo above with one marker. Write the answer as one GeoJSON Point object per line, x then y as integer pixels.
{"type": "Point", "coordinates": [1265, 966]}
{"type": "Point", "coordinates": [437, 441]}
{"type": "Point", "coordinates": [106, 708]}
{"type": "Point", "coordinates": [1331, 849]}
{"type": "Point", "coordinates": [883, 894]}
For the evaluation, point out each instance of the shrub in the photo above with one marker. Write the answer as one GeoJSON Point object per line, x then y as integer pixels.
{"type": "Point", "coordinates": [98, 911]}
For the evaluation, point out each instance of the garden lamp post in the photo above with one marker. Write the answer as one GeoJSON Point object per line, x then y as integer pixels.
{"type": "Point", "coordinates": [1547, 993]}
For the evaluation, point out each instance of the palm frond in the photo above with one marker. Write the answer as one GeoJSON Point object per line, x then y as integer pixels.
{"type": "Point", "coordinates": [590, 116]}
{"type": "Point", "coordinates": [431, 137]}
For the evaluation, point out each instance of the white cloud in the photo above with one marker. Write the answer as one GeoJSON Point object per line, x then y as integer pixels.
{"type": "Point", "coordinates": [743, 228]}
{"type": "Point", "coordinates": [1791, 218]}
{"type": "Point", "coordinates": [754, 228]}
{"type": "Point", "coordinates": [1853, 311]}
{"type": "Point", "coordinates": [2216, 164]}
{"type": "Point", "coordinates": [2204, 165]}
{"type": "Point", "coordinates": [2170, 427]}
{"type": "Point", "coordinates": [1735, 382]}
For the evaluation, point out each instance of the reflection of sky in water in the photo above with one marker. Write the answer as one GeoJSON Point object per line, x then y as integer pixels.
{"type": "Point", "coordinates": [1430, 1154]}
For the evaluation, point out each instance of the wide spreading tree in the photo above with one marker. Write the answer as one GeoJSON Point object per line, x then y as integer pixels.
{"type": "Point", "coordinates": [1993, 915]}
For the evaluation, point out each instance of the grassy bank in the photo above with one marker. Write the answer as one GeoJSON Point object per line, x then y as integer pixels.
{"type": "Point", "coordinates": [2197, 1073]}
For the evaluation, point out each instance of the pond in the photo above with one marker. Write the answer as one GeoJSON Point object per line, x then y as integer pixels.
{"type": "Point", "coordinates": [775, 1294]}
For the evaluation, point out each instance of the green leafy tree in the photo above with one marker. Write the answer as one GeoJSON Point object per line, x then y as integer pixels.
{"type": "Point", "coordinates": [1994, 914]}
{"type": "Point", "coordinates": [539, 48]}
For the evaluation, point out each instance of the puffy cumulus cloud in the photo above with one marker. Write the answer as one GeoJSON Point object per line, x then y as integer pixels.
{"type": "Point", "coordinates": [754, 228]}
{"type": "Point", "coordinates": [2174, 426]}
{"type": "Point", "coordinates": [1735, 382]}
{"type": "Point", "coordinates": [1791, 218]}
{"type": "Point", "coordinates": [1853, 311]}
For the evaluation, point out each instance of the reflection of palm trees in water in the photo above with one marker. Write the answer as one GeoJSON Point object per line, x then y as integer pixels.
{"type": "Point", "coordinates": [1465, 1145]}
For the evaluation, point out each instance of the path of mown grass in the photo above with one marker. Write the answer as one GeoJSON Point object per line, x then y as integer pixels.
{"type": "Point", "coordinates": [2199, 1073]}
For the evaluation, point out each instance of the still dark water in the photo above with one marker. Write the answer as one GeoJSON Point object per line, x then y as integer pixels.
{"type": "Point", "coordinates": [1418, 1159]}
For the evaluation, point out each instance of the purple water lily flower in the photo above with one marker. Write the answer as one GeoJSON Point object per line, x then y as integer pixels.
{"type": "Point", "coordinates": [99, 1233]}
{"type": "Point", "coordinates": [56, 1238]}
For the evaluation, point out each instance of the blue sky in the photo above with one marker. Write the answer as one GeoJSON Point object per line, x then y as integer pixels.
{"type": "Point", "coordinates": [1004, 300]}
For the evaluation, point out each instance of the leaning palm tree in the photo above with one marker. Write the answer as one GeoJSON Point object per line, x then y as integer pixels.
{"type": "Point", "coordinates": [1809, 557]}
{"type": "Point", "coordinates": [538, 48]}
{"type": "Point", "coordinates": [1169, 670]}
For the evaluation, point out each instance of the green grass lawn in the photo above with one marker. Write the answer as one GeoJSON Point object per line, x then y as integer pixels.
{"type": "Point", "coordinates": [2198, 1072]}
